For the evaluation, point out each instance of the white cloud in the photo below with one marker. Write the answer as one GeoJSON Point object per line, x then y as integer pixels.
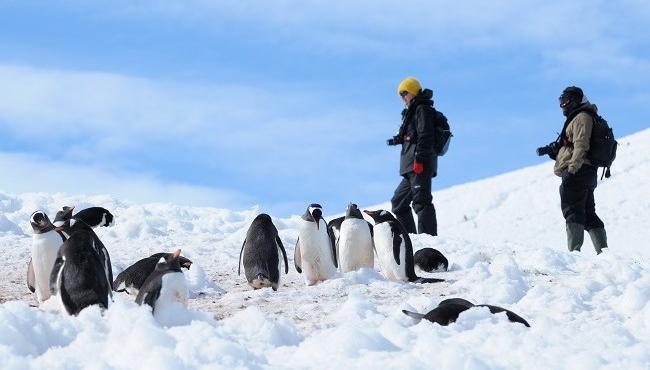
{"type": "Point", "coordinates": [28, 173]}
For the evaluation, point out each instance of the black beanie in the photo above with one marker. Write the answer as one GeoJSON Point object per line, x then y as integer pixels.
{"type": "Point", "coordinates": [574, 92]}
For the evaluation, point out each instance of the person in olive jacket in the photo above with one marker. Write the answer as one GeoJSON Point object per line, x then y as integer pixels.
{"type": "Point", "coordinates": [579, 177]}
{"type": "Point", "coordinates": [418, 159]}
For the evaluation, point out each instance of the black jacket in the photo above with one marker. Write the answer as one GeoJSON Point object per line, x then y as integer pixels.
{"type": "Point", "coordinates": [418, 135]}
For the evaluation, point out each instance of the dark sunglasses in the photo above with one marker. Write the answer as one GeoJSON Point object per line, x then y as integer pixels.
{"type": "Point", "coordinates": [403, 93]}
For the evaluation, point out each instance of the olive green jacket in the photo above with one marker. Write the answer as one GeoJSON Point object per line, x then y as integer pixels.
{"type": "Point", "coordinates": [578, 132]}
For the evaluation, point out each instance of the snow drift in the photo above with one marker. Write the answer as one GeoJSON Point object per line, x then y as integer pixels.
{"type": "Point", "coordinates": [505, 241]}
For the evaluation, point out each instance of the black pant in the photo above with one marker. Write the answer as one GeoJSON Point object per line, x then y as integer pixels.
{"type": "Point", "coordinates": [417, 189]}
{"type": "Point", "coordinates": [577, 198]}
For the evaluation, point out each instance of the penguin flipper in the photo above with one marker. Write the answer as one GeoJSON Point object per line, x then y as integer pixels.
{"type": "Point", "coordinates": [372, 231]}
{"type": "Point", "coordinates": [414, 315]}
{"type": "Point", "coordinates": [284, 254]}
{"type": "Point", "coordinates": [333, 243]}
{"type": "Point", "coordinates": [397, 244]}
{"type": "Point", "coordinates": [31, 278]}
{"type": "Point", "coordinates": [54, 275]}
{"type": "Point", "coordinates": [297, 259]}
{"type": "Point", "coordinates": [240, 252]}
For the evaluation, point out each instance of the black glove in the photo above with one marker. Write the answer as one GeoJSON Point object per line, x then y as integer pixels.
{"type": "Point", "coordinates": [395, 140]}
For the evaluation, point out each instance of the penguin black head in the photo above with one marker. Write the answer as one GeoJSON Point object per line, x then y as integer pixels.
{"type": "Point", "coordinates": [353, 212]}
{"type": "Point", "coordinates": [40, 222]}
{"type": "Point", "coordinates": [380, 215]}
{"type": "Point", "coordinates": [63, 215]}
{"type": "Point", "coordinates": [314, 213]}
{"type": "Point", "coordinates": [169, 263]}
{"type": "Point", "coordinates": [263, 217]}
{"type": "Point", "coordinates": [107, 219]}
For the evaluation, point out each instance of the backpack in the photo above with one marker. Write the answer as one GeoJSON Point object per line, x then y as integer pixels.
{"type": "Point", "coordinates": [442, 134]}
{"type": "Point", "coordinates": [602, 145]}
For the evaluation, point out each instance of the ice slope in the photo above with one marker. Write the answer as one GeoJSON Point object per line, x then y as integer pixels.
{"type": "Point", "coordinates": [504, 238]}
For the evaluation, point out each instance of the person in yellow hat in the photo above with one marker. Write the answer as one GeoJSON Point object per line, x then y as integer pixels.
{"type": "Point", "coordinates": [418, 158]}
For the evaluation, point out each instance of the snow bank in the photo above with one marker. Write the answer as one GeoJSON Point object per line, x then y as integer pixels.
{"type": "Point", "coordinates": [504, 239]}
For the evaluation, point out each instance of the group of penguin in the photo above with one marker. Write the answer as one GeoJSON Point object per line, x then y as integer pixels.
{"type": "Point", "coordinates": [71, 264]}
{"type": "Point", "coordinates": [348, 243]}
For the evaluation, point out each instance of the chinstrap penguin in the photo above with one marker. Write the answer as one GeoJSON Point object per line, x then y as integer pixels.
{"type": "Point", "coordinates": [394, 249]}
{"type": "Point", "coordinates": [131, 279]}
{"type": "Point", "coordinates": [165, 287]}
{"type": "Point", "coordinates": [78, 278]}
{"type": "Point", "coordinates": [46, 242]}
{"type": "Point", "coordinates": [260, 254]}
{"type": "Point", "coordinates": [315, 253]}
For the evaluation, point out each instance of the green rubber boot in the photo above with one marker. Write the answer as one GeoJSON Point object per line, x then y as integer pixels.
{"type": "Point", "coordinates": [575, 236]}
{"type": "Point", "coordinates": [599, 239]}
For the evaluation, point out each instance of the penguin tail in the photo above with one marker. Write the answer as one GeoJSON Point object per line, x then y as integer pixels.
{"type": "Point", "coordinates": [422, 280]}
{"type": "Point", "coordinates": [415, 315]}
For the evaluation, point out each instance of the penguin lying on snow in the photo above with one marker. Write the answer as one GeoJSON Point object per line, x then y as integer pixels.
{"type": "Point", "coordinates": [261, 254]}
{"type": "Point", "coordinates": [429, 259]}
{"type": "Point", "coordinates": [68, 224]}
{"type": "Point", "coordinates": [394, 249]}
{"type": "Point", "coordinates": [354, 245]}
{"type": "Point", "coordinates": [78, 278]}
{"type": "Point", "coordinates": [131, 279]}
{"type": "Point", "coordinates": [45, 246]}
{"type": "Point", "coordinates": [449, 309]}
{"type": "Point", "coordinates": [315, 252]}
{"type": "Point", "coordinates": [165, 286]}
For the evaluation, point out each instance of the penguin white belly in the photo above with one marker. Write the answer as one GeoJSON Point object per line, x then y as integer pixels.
{"type": "Point", "coordinates": [44, 250]}
{"type": "Point", "coordinates": [173, 291]}
{"type": "Point", "coordinates": [355, 246]}
{"type": "Point", "coordinates": [316, 253]}
{"type": "Point", "coordinates": [384, 245]}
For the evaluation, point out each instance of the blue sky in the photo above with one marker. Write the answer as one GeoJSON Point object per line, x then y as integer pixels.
{"type": "Point", "coordinates": [284, 103]}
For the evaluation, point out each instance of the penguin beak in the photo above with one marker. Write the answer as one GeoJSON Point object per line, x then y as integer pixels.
{"type": "Point", "coordinates": [60, 228]}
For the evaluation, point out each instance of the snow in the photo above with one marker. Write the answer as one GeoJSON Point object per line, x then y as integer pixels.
{"type": "Point", "coordinates": [505, 241]}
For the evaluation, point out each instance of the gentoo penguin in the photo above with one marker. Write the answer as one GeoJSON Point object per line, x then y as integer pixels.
{"type": "Point", "coordinates": [78, 278]}
{"type": "Point", "coordinates": [354, 244]}
{"type": "Point", "coordinates": [45, 246]}
{"type": "Point", "coordinates": [165, 286]}
{"type": "Point", "coordinates": [95, 217]}
{"type": "Point", "coordinates": [394, 249]}
{"type": "Point", "coordinates": [449, 309]}
{"type": "Point", "coordinates": [429, 259]}
{"type": "Point", "coordinates": [315, 251]}
{"type": "Point", "coordinates": [131, 279]}
{"type": "Point", "coordinates": [261, 254]}
{"type": "Point", "coordinates": [66, 223]}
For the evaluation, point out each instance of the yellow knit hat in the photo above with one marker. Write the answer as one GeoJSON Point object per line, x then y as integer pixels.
{"type": "Point", "coordinates": [409, 84]}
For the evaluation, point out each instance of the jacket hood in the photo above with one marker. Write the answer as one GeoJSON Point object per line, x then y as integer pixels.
{"type": "Point", "coordinates": [424, 97]}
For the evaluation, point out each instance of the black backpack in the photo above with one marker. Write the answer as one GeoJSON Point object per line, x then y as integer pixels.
{"type": "Point", "coordinates": [602, 145]}
{"type": "Point", "coordinates": [442, 134]}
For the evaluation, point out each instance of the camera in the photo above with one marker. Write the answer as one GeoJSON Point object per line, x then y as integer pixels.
{"type": "Point", "coordinates": [395, 140]}
{"type": "Point", "coordinates": [551, 149]}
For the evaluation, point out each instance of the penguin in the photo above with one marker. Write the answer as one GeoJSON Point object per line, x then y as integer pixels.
{"type": "Point", "coordinates": [78, 278]}
{"type": "Point", "coordinates": [131, 279]}
{"type": "Point", "coordinates": [165, 286]}
{"type": "Point", "coordinates": [449, 310]}
{"type": "Point", "coordinates": [315, 251]}
{"type": "Point", "coordinates": [68, 225]}
{"type": "Point", "coordinates": [354, 245]}
{"type": "Point", "coordinates": [429, 259]}
{"type": "Point", "coordinates": [95, 217]}
{"type": "Point", "coordinates": [45, 246]}
{"type": "Point", "coordinates": [394, 249]}
{"type": "Point", "coordinates": [261, 254]}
